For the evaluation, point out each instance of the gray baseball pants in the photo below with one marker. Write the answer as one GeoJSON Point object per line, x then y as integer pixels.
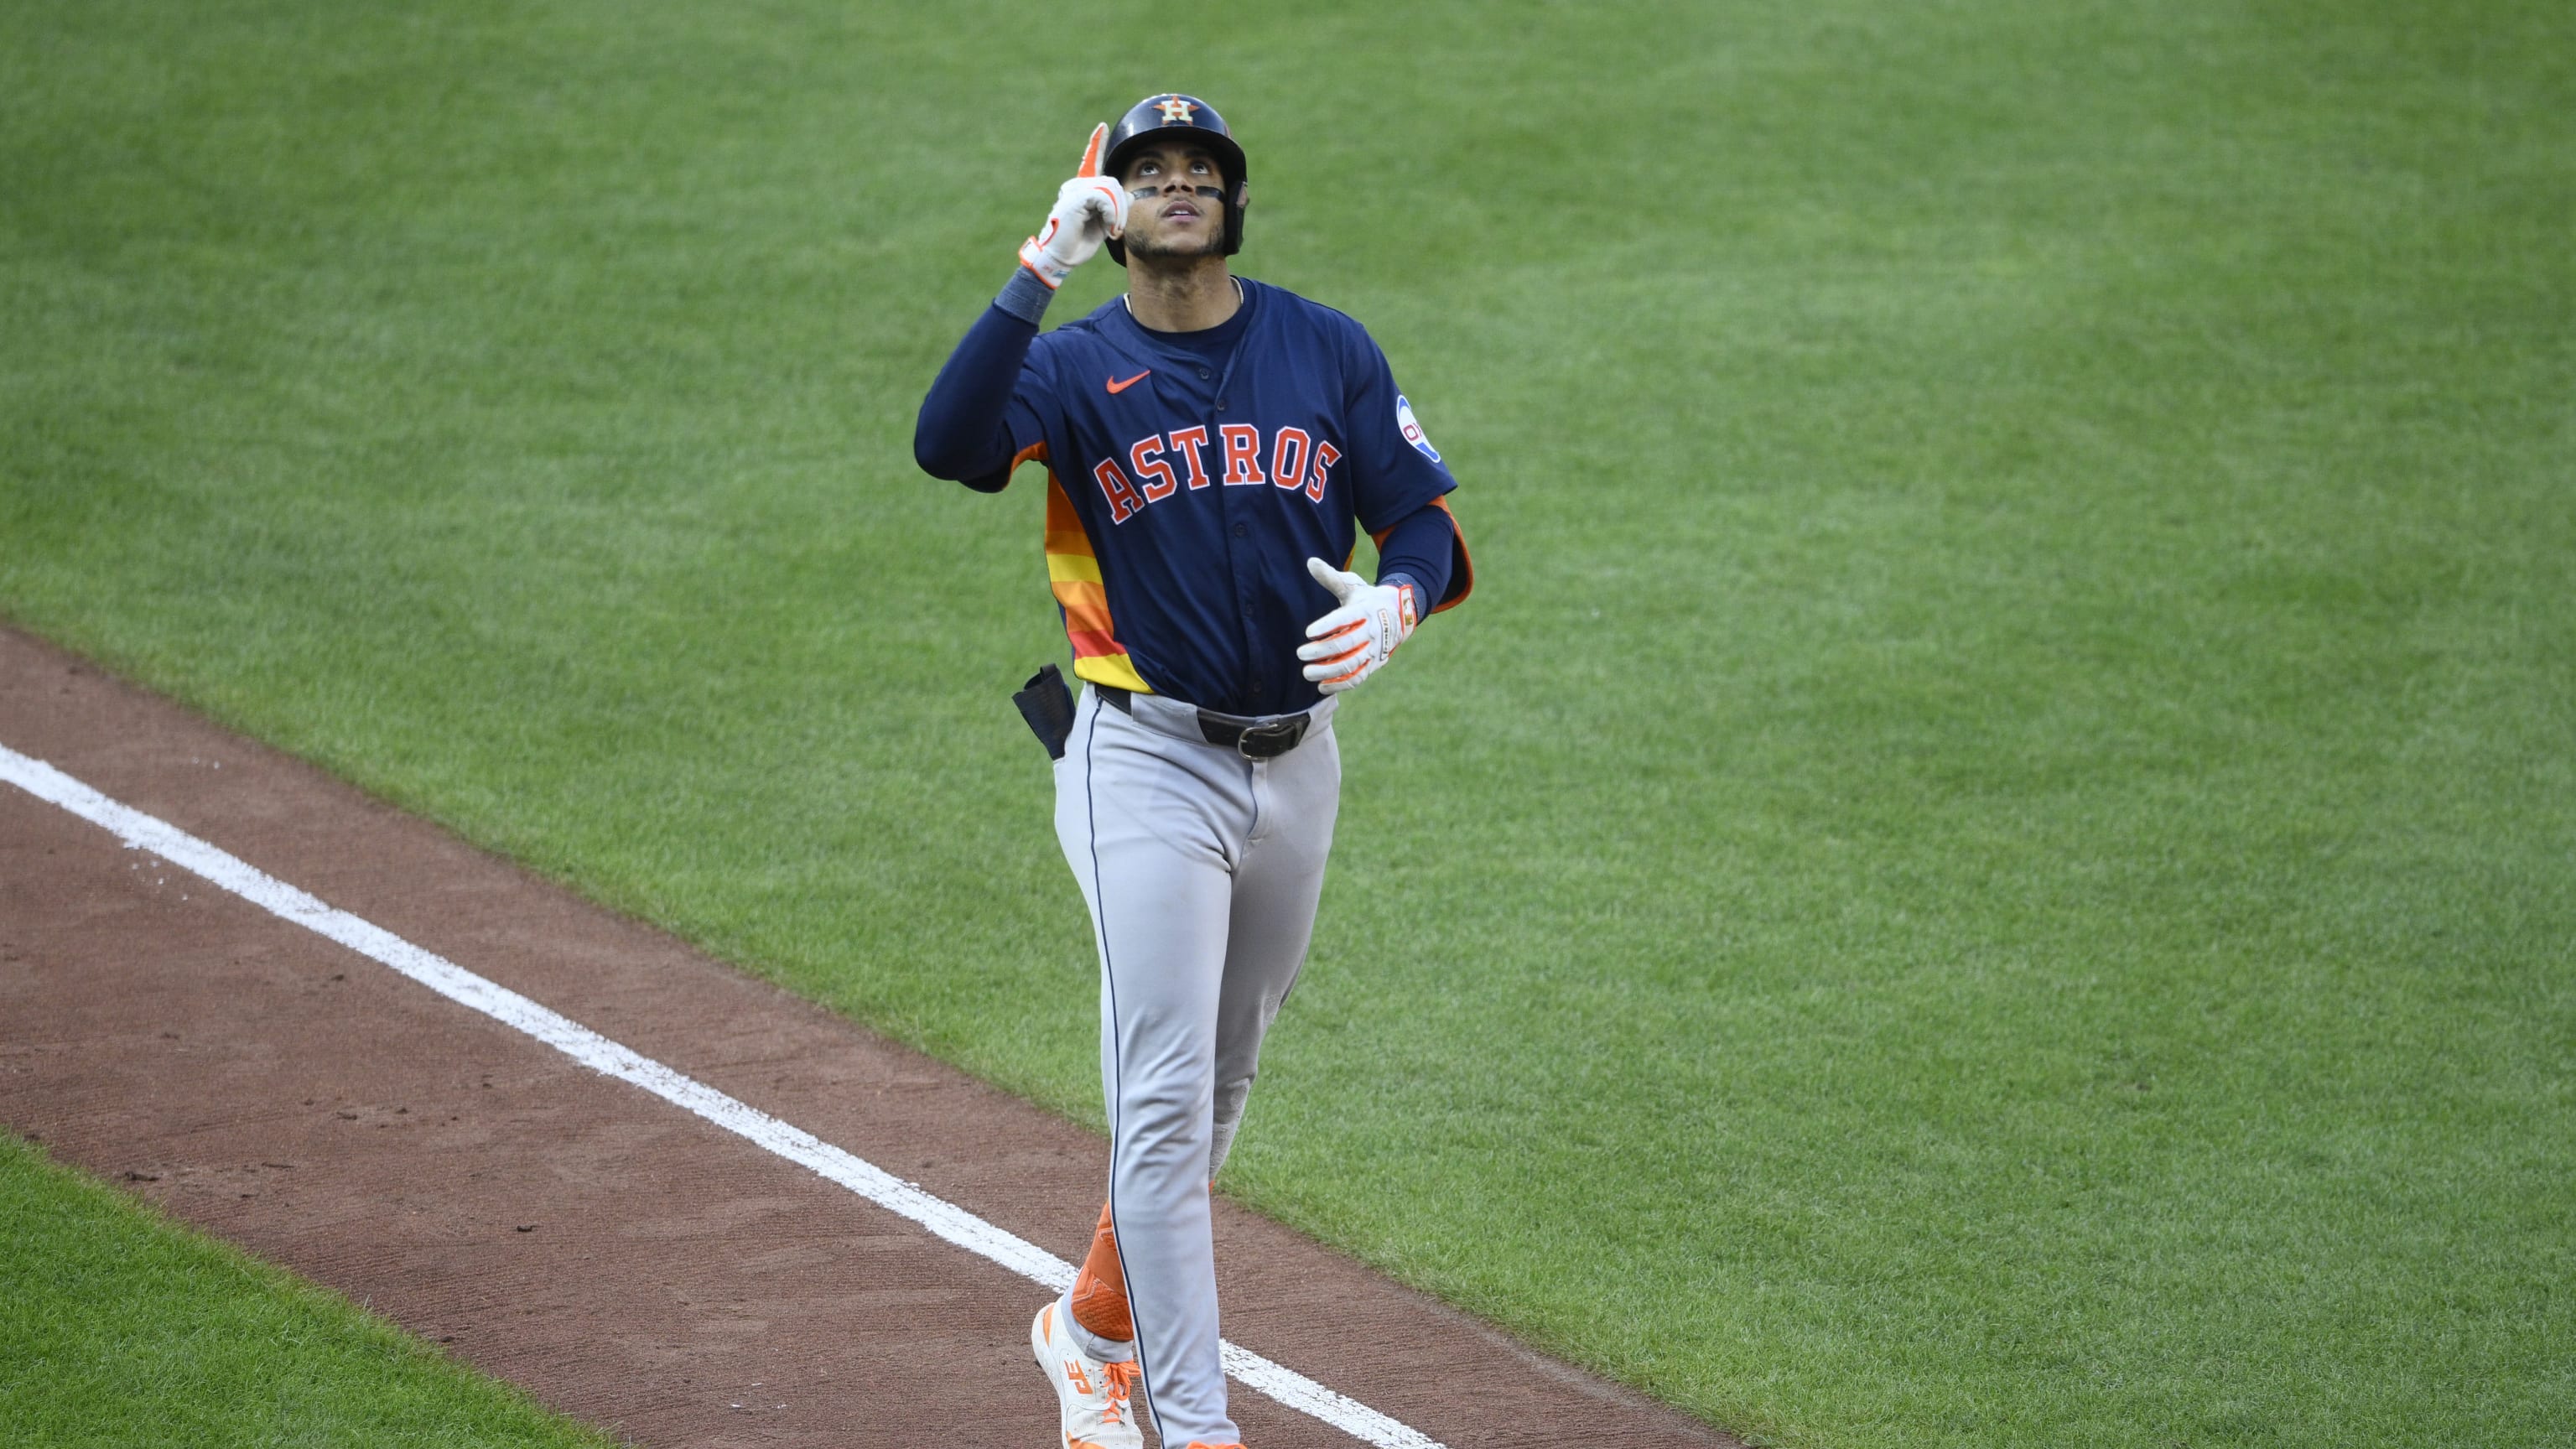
{"type": "Point", "coordinates": [1201, 868]}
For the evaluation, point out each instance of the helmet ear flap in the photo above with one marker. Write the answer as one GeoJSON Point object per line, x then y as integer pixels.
{"type": "Point", "coordinates": [1234, 209]}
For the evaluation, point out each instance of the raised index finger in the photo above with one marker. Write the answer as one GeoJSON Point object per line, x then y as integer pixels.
{"type": "Point", "coordinates": [1091, 153]}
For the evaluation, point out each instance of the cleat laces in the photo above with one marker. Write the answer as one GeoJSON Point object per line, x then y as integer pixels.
{"type": "Point", "coordinates": [1115, 1381]}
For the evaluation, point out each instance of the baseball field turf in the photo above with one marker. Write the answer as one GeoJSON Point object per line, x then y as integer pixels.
{"type": "Point", "coordinates": [1993, 861]}
{"type": "Point", "coordinates": [121, 1330]}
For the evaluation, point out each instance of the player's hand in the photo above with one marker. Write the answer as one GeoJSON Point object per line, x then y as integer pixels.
{"type": "Point", "coordinates": [1089, 209]}
{"type": "Point", "coordinates": [1353, 640]}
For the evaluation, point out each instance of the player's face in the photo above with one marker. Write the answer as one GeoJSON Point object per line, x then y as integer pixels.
{"type": "Point", "coordinates": [1176, 202]}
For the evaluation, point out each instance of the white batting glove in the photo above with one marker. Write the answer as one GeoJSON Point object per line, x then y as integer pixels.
{"type": "Point", "coordinates": [1089, 209]}
{"type": "Point", "coordinates": [1353, 640]}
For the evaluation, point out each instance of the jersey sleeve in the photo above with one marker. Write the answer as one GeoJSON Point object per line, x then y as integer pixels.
{"type": "Point", "coordinates": [1394, 468]}
{"type": "Point", "coordinates": [1032, 402]}
{"type": "Point", "coordinates": [983, 413]}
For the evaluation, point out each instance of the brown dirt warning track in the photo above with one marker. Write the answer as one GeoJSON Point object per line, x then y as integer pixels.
{"type": "Point", "coordinates": [621, 1259]}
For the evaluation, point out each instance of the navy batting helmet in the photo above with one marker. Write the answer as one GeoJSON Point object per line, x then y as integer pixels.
{"type": "Point", "coordinates": [1187, 119]}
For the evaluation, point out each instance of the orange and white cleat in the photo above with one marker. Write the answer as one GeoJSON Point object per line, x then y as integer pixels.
{"type": "Point", "coordinates": [1093, 1397]}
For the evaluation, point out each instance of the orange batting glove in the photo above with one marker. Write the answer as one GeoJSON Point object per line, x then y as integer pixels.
{"type": "Point", "coordinates": [1352, 641]}
{"type": "Point", "coordinates": [1089, 209]}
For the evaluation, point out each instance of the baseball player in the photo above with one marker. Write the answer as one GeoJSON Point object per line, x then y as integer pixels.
{"type": "Point", "coordinates": [1212, 444]}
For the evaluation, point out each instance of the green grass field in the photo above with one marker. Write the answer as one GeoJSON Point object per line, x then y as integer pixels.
{"type": "Point", "coordinates": [120, 1329]}
{"type": "Point", "coordinates": [1994, 861]}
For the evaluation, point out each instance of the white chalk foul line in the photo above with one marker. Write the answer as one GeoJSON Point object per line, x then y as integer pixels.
{"type": "Point", "coordinates": [145, 832]}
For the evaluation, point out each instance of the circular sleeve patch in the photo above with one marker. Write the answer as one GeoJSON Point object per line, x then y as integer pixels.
{"type": "Point", "coordinates": [1412, 430]}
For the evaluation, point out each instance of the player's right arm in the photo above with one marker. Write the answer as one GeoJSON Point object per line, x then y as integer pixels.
{"type": "Point", "coordinates": [966, 430]}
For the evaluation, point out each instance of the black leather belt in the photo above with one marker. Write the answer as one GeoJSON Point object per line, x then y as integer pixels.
{"type": "Point", "coordinates": [1254, 739]}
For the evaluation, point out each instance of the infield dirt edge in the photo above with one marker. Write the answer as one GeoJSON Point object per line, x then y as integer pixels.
{"type": "Point", "coordinates": [672, 1268]}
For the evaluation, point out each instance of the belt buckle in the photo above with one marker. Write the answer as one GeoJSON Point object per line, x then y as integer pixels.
{"type": "Point", "coordinates": [1256, 741]}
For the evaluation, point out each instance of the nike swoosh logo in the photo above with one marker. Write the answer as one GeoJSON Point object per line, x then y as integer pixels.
{"type": "Point", "coordinates": [1116, 387]}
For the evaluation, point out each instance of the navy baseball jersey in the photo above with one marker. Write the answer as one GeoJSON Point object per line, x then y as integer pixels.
{"type": "Point", "coordinates": [1191, 475]}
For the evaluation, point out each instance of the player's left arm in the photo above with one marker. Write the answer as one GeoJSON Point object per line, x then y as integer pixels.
{"type": "Point", "coordinates": [1428, 549]}
{"type": "Point", "coordinates": [1414, 559]}
{"type": "Point", "coordinates": [1398, 485]}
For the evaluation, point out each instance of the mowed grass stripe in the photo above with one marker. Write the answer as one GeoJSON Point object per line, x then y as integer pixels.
{"type": "Point", "coordinates": [1989, 863]}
